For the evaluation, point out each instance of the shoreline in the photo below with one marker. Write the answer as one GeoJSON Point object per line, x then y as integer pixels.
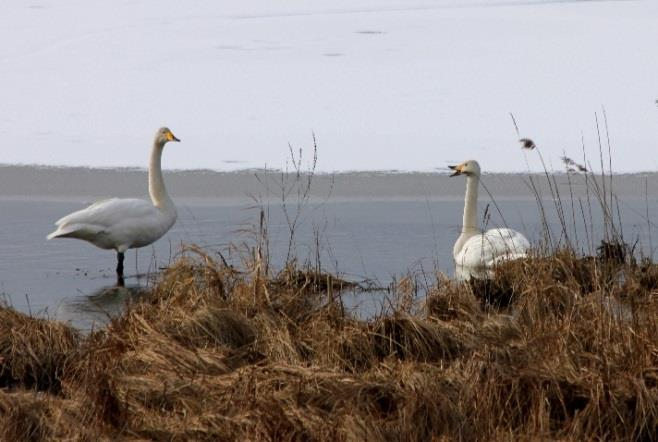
{"type": "Point", "coordinates": [76, 183]}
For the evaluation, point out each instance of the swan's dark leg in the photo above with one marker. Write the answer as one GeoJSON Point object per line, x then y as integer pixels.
{"type": "Point", "coordinates": [120, 281]}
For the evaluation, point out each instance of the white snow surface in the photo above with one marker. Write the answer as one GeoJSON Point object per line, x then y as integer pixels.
{"type": "Point", "coordinates": [388, 84]}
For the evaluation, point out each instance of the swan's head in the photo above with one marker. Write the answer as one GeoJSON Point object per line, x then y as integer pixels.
{"type": "Point", "coordinates": [164, 135]}
{"type": "Point", "coordinates": [468, 168]}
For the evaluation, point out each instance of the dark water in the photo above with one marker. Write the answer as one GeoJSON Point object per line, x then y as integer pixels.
{"type": "Point", "coordinates": [372, 239]}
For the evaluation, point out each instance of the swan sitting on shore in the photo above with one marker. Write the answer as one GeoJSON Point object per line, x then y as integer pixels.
{"type": "Point", "coordinates": [122, 223]}
{"type": "Point", "coordinates": [475, 251]}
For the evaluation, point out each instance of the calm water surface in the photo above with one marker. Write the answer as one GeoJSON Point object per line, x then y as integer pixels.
{"type": "Point", "coordinates": [378, 240]}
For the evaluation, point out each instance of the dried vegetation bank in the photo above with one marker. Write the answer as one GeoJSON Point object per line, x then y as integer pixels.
{"type": "Point", "coordinates": [555, 347]}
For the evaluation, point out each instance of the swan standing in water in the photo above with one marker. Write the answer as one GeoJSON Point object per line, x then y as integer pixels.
{"type": "Point", "coordinates": [122, 223]}
{"type": "Point", "coordinates": [475, 251]}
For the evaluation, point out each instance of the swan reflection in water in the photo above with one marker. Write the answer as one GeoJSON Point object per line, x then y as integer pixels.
{"type": "Point", "coordinates": [98, 308]}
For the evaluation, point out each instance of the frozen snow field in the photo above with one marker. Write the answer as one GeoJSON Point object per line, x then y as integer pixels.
{"type": "Point", "coordinates": [390, 84]}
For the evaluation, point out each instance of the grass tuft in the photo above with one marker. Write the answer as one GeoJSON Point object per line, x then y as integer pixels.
{"type": "Point", "coordinates": [214, 354]}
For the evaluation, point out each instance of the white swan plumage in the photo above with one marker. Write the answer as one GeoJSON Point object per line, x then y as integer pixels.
{"type": "Point", "coordinates": [126, 223]}
{"type": "Point", "coordinates": [477, 252]}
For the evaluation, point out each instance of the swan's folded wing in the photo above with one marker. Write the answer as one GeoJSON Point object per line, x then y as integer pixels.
{"type": "Point", "coordinates": [493, 246]}
{"type": "Point", "coordinates": [104, 214]}
{"type": "Point", "coordinates": [505, 244]}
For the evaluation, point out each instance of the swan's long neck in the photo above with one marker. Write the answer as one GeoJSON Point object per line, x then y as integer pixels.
{"type": "Point", "coordinates": [471, 204]}
{"type": "Point", "coordinates": [157, 190]}
{"type": "Point", "coordinates": [469, 226]}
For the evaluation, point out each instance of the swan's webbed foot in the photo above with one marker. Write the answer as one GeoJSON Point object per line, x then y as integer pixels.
{"type": "Point", "coordinates": [120, 281]}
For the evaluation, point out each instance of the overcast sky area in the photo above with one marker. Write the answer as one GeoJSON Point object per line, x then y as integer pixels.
{"type": "Point", "coordinates": [388, 84]}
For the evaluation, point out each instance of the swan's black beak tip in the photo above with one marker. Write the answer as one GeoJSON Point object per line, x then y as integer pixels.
{"type": "Point", "coordinates": [456, 171]}
{"type": "Point", "coordinates": [175, 139]}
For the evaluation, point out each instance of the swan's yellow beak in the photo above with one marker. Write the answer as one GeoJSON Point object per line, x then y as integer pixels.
{"type": "Point", "coordinates": [171, 137]}
{"type": "Point", "coordinates": [457, 169]}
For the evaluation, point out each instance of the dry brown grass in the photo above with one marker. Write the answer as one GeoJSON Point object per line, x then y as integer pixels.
{"type": "Point", "coordinates": [211, 354]}
{"type": "Point", "coordinates": [33, 352]}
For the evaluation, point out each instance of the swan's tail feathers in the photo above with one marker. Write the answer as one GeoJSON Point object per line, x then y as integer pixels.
{"type": "Point", "coordinates": [518, 255]}
{"type": "Point", "coordinates": [62, 232]}
{"type": "Point", "coordinates": [80, 231]}
{"type": "Point", "coordinates": [513, 255]}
